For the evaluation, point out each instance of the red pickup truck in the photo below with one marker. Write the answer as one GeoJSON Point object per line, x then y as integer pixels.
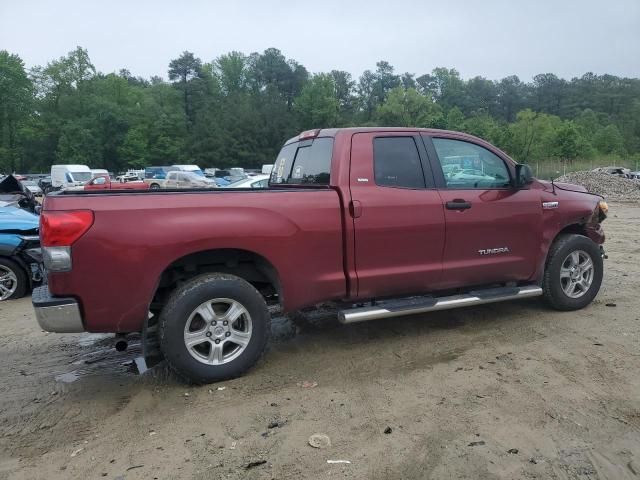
{"type": "Point", "coordinates": [385, 222]}
{"type": "Point", "coordinates": [103, 182]}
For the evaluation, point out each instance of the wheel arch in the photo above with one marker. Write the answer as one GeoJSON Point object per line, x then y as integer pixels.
{"type": "Point", "coordinates": [246, 264]}
{"type": "Point", "coordinates": [549, 238]}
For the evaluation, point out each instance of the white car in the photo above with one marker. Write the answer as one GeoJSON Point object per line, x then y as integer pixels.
{"type": "Point", "coordinates": [128, 177]}
{"type": "Point", "coordinates": [258, 181]}
{"type": "Point", "coordinates": [179, 179]}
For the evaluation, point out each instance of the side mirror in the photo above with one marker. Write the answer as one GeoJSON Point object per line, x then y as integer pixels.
{"type": "Point", "coordinates": [524, 175]}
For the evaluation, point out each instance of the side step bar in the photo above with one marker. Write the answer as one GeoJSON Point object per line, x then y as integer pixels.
{"type": "Point", "coordinates": [409, 306]}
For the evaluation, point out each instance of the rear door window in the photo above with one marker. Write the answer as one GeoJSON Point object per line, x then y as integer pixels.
{"type": "Point", "coordinates": [303, 163]}
{"type": "Point", "coordinates": [396, 163]}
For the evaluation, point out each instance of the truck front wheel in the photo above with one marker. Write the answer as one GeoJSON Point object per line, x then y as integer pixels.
{"type": "Point", "coordinates": [573, 272]}
{"type": "Point", "coordinates": [214, 327]}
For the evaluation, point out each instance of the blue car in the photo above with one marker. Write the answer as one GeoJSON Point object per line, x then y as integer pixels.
{"type": "Point", "coordinates": [20, 255]}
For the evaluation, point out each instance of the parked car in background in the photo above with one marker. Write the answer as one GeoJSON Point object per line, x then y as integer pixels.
{"type": "Point", "coordinates": [20, 255]}
{"type": "Point", "coordinates": [14, 193]}
{"type": "Point", "coordinates": [103, 182]}
{"type": "Point", "coordinates": [33, 187]}
{"type": "Point", "coordinates": [195, 169]}
{"type": "Point", "coordinates": [634, 175]}
{"type": "Point", "coordinates": [156, 176]}
{"type": "Point", "coordinates": [361, 217]}
{"type": "Point", "coordinates": [64, 177]}
{"type": "Point", "coordinates": [128, 177]}
{"type": "Point", "coordinates": [45, 184]}
{"type": "Point", "coordinates": [224, 177]}
{"type": "Point", "coordinates": [180, 179]}
{"type": "Point", "coordinates": [96, 172]}
{"type": "Point", "coordinates": [259, 181]}
{"type": "Point", "coordinates": [615, 171]}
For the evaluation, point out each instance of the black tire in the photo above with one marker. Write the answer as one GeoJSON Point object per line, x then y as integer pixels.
{"type": "Point", "coordinates": [21, 276]}
{"type": "Point", "coordinates": [185, 300]}
{"type": "Point", "coordinates": [154, 186]}
{"type": "Point", "coordinates": [554, 295]}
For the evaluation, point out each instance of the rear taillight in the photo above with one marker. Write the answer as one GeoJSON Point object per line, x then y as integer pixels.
{"type": "Point", "coordinates": [58, 231]}
{"type": "Point", "coordinates": [63, 228]}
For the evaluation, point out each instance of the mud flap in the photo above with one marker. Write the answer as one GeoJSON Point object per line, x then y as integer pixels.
{"type": "Point", "coordinates": [151, 353]}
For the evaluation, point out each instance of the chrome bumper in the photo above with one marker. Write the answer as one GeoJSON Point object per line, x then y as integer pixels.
{"type": "Point", "coordinates": [56, 314]}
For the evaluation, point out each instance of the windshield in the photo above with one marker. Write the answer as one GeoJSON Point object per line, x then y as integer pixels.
{"type": "Point", "coordinates": [198, 172]}
{"type": "Point", "coordinates": [80, 176]}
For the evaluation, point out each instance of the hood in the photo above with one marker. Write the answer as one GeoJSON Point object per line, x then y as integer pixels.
{"type": "Point", "coordinates": [565, 186]}
{"type": "Point", "coordinates": [14, 220]}
{"type": "Point", "coordinates": [12, 190]}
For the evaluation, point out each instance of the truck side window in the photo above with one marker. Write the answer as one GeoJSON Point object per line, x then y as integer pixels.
{"type": "Point", "coordinates": [305, 162]}
{"type": "Point", "coordinates": [396, 162]}
{"type": "Point", "coordinates": [469, 166]}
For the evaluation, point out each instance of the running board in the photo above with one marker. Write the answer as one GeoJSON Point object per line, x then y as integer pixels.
{"type": "Point", "coordinates": [409, 306]}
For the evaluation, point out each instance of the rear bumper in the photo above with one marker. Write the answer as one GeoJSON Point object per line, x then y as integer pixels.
{"type": "Point", "coordinates": [56, 314]}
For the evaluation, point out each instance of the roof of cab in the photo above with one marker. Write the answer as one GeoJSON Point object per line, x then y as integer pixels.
{"type": "Point", "coordinates": [332, 132]}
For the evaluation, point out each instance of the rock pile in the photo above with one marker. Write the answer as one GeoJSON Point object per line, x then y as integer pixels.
{"type": "Point", "coordinates": [609, 186]}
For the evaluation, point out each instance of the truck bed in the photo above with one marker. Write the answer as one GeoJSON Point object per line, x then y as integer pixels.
{"type": "Point", "coordinates": [297, 231]}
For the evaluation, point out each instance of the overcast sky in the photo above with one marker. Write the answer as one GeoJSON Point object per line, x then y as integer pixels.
{"type": "Point", "coordinates": [492, 38]}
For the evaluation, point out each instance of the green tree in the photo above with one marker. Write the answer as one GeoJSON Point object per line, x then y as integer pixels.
{"type": "Point", "coordinates": [317, 105]}
{"type": "Point", "coordinates": [134, 148]}
{"type": "Point", "coordinates": [407, 108]}
{"type": "Point", "coordinates": [455, 119]}
{"type": "Point", "coordinates": [608, 140]}
{"type": "Point", "coordinates": [567, 141]}
{"type": "Point", "coordinates": [16, 92]}
{"type": "Point", "coordinates": [186, 72]}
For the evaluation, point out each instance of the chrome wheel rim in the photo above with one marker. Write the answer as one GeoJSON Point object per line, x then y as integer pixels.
{"type": "Point", "coordinates": [8, 282]}
{"type": "Point", "coordinates": [218, 331]}
{"type": "Point", "coordinates": [576, 274]}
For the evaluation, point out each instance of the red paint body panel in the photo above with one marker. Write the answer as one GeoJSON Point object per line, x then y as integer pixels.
{"type": "Point", "coordinates": [400, 233]}
{"type": "Point", "coordinates": [118, 262]}
{"type": "Point", "coordinates": [352, 241]}
{"type": "Point", "coordinates": [505, 218]}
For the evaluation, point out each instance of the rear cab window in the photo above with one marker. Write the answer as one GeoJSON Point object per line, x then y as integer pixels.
{"type": "Point", "coordinates": [396, 163]}
{"type": "Point", "coordinates": [306, 162]}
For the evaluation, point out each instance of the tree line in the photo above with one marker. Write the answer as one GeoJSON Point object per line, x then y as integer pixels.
{"type": "Point", "coordinates": [237, 110]}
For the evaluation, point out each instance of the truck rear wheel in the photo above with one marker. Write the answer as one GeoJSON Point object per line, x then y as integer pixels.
{"type": "Point", "coordinates": [573, 273]}
{"type": "Point", "coordinates": [213, 328]}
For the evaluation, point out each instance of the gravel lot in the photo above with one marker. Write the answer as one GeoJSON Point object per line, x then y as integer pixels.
{"type": "Point", "coordinates": [499, 391]}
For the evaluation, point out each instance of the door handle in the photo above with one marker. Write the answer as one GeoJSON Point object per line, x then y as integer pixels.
{"type": "Point", "coordinates": [458, 204]}
{"type": "Point", "coordinates": [355, 208]}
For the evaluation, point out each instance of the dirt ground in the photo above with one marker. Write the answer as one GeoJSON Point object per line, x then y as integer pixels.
{"type": "Point", "coordinates": [501, 391]}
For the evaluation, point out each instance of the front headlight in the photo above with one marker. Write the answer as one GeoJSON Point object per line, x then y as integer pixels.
{"type": "Point", "coordinates": [603, 206]}
{"type": "Point", "coordinates": [604, 209]}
